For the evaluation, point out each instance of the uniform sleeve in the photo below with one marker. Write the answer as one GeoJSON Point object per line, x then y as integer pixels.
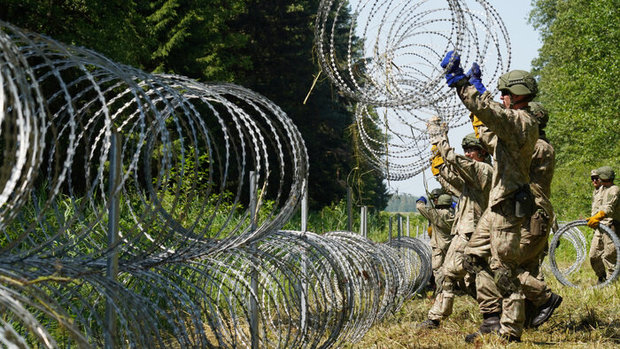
{"type": "Point", "coordinates": [465, 167]}
{"type": "Point", "coordinates": [611, 200]}
{"type": "Point", "coordinates": [427, 212]}
{"type": "Point", "coordinates": [449, 179]}
{"type": "Point", "coordinates": [505, 123]}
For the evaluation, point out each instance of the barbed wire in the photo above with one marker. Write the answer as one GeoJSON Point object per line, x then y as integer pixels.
{"type": "Point", "coordinates": [126, 219]}
{"type": "Point", "coordinates": [385, 54]}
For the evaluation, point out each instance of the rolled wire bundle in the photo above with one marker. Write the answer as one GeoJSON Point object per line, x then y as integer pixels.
{"type": "Point", "coordinates": [562, 274]}
{"type": "Point", "coordinates": [385, 55]}
{"type": "Point", "coordinates": [573, 235]}
{"type": "Point", "coordinates": [179, 139]}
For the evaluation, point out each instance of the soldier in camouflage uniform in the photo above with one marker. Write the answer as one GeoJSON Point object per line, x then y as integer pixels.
{"type": "Point", "coordinates": [474, 175]}
{"type": "Point", "coordinates": [440, 220]}
{"type": "Point", "coordinates": [535, 232]}
{"type": "Point", "coordinates": [605, 210]}
{"type": "Point", "coordinates": [515, 132]}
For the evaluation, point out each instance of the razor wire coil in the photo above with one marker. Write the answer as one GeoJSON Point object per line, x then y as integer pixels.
{"type": "Point", "coordinates": [195, 269]}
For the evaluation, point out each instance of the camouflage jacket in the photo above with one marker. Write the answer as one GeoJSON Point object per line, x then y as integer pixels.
{"type": "Point", "coordinates": [440, 221]}
{"type": "Point", "coordinates": [511, 141]}
{"type": "Point", "coordinates": [476, 177]}
{"type": "Point", "coordinates": [610, 204]}
{"type": "Point", "coordinates": [541, 174]}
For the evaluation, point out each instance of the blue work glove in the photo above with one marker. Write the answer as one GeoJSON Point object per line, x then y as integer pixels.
{"type": "Point", "coordinates": [475, 75]}
{"type": "Point", "coordinates": [452, 65]}
{"type": "Point", "coordinates": [453, 204]}
{"type": "Point", "coordinates": [422, 199]}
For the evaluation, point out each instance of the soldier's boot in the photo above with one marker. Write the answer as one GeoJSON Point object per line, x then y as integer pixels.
{"type": "Point", "coordinates": [490, 324]}
{"type": "Point", "coordinates": [546, 310]}
{"type": "Point", "coordinates": [428, 324]}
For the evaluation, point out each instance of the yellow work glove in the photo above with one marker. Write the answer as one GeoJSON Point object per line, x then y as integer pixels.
{"type": "Point", "coordinates": [596, 219]}
{"type": "Point", "coordinates": [435, 163]}
{"type": "Point", "coordinates": [430, 231]}
{"type": "Point", "coordinates": [476, 123]}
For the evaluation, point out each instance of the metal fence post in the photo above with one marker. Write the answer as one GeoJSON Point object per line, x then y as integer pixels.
{"type": "Point", "coordinates": [111, 336]}
{"type": "Point", "coordinates": [304, 266]}
{"type": "Point", "coordinates": [349, 209]}
{"type": "Point", "coordinates": [254, 274]}
{"type": "Point", "coordinates": [363, 221]}
{"type": "Point", "coordinates": [408, 226]}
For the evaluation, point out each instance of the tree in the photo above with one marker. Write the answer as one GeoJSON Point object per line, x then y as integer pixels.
{"type": "Point", "coordinates": [579, 69]}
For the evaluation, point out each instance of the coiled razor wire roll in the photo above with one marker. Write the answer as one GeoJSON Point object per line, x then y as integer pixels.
{"type": "Point", "coordinates": [402, 43]}
{"type": "Point", "coordinates": [193, 269]}
{"type": "Point", "coordinates": [575, 237]}
{"type": "Point", "coordinates": [561, 275]}
{"type": "Point", "coordinates": [385, 55]}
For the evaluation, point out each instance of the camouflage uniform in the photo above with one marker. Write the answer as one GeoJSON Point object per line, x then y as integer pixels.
{"type": "Point", "coordinates": [476, 178]}
{"type": "Point", "coordinates": [603, 253]}
{"type": "Point", "coordinates": [535, 231]}
{"type": "Point", "coordinates": [440, 221]}
{"type": "Point", "coordinates": [514, 136]}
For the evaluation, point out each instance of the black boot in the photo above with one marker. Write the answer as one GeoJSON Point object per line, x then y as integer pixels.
{"type": "Point", "coordinates": [490, 324]}
{"type": "Point", "coordinates": [428, 324]}
{"type": "Point", "coordinates": [545, 311]}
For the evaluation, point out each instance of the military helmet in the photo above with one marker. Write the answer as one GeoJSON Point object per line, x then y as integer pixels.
{"type": "Point", "coordinates": [435, 193]}
{"type": "Point", "coordinates": [606, 173]}
{"type": "Point", "coordinates": [444, 200]}
{"type": "Point", "coordinates": [470, 141]}
{"type": "Point", "coordinates": [518, 82]}
{"type": "Point", "coordinates": [539, 111]}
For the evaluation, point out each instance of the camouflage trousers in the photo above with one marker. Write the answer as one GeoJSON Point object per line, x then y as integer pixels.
{"type": "Point", "coordinates": [437, 260]}
{"type": "Point", "coordinates": [533, 247]}
{"type": "Point", "coordinates": [603, 253]}
{"type": "Point", "coordinates": [497, 285]}
{"type": "Point", "coordinates": [453, 274]}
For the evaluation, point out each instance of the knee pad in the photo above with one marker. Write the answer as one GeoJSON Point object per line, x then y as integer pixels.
{"type": "Point", "coordinates": [506, 283]}
{"type": "Point", "coordinates": [473, 264]}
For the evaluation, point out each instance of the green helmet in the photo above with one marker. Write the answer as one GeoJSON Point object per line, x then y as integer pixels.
{"type": "Point", "coordinates": [518, 82]}
{"type": "Point", "coordinates": [470, 141]}
{"type": "Point", "coordinates": [435, 193]}
{"type": "Point", "coordinates": [606, 173]}
{"type": "Point", "coordinates": [444, 200]}
{"type": "Point", "coordinates": [539, 111]}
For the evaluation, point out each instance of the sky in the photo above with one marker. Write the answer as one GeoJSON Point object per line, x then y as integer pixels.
{"type": "Point", "coordinates": [525, 43]}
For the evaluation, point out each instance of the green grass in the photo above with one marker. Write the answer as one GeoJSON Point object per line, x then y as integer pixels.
{"type": "Point", "coordinates": [587, 318]}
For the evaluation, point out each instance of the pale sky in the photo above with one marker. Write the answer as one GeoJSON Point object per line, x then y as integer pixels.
{"type": "Point", "coordinates": [525, 43]}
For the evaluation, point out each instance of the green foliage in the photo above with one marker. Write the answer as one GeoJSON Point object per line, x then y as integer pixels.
{"type": "Point", "coordinates": [579, 70]}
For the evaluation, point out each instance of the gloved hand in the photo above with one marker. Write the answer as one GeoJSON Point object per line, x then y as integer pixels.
{"type": "Point", "coordinates": [429, 230]}
{"type": "Point", "coordinates": [475, 122]}
{"type": "Point", "coordinates": [475, 76]}
{"type": "Point", "coordinates": [436, 129]}
{"type": "Point", "coordinates": [422, 199]}
{"type": "Point", "coordinates": [436, 162]}
{"type": "Point", "coordinates": [451, 64]}
{"type": "Point", "coordinates": [596, 219]}
{"type": "Point", "coordinates": [453, 204]}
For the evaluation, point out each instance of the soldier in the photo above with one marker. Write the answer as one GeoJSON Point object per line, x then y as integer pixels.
{"type": "Point", "coordinates": [475, 175]}
{"type": "Point", "coordinates": [605, 210]}
{"type": "Point", "coordinates": [515, 131]}
{"type": "Point", "coordinates": [440, 220]}
{"type": "Point", "coordinates": [535, 232]}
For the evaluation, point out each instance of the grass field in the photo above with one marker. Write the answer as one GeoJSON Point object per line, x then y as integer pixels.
{"type": "Point", "coordinates": [587, 318]}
